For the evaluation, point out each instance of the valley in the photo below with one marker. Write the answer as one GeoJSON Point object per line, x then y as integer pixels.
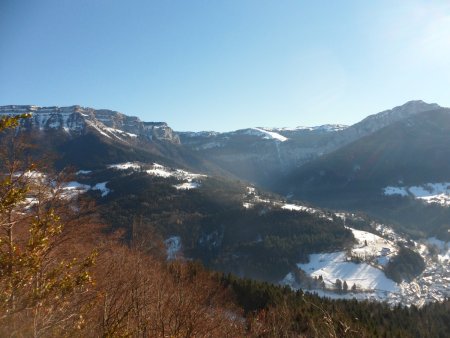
{"type": "Point", "coordinates": [322, 210]}
{"type": "Point", "coordinates": [229, 169]}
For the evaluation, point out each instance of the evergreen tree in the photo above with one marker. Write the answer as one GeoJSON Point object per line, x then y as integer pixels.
{"type": "Point", "coordinates": [338, 285]}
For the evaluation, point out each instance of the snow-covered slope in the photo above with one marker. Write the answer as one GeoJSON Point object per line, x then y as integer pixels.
{"type": "Point", "coordinates": [361, 265]}
{"type": "Point", "coordinates": [336, 265]}
{"type": "Point", "coordinates": [373, 248]}
{"type": "Point", "coordinates": [438, 193]}
{"type": "Point", "coordinates": [271, 135]}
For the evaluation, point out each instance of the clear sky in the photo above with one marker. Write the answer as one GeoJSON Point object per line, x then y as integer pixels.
{"type": "Point", "coordinates": [224, 65]}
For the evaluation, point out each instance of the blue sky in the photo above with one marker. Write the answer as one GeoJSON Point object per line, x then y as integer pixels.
{"type": "Point", "coordinates": [224, 65]}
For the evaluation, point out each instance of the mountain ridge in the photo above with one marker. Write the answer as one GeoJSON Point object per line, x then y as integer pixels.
{"type": "Point", "coordinates": [256, 155]}
{"type": "Point", "coordinates": [259, 154]}
{"type": "Point", "coordinates": [129, 123]}
{"type": "Point", "coordinates": [75, 119]}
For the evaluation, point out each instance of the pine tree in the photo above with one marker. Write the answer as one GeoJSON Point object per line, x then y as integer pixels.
{"type": "Point", "coordinates": [338, 285]}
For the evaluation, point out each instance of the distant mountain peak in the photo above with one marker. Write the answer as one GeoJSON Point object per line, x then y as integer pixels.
{"type": "Point", "coordinates": [407, 109]}
{"type": "Point", "coordinates": [385, 118]}
{"type": "Point", "coordinates": [419, 103]}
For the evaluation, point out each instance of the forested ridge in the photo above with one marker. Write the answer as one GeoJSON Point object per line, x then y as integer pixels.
{"type": "Point", "coordinates": [263, 242]}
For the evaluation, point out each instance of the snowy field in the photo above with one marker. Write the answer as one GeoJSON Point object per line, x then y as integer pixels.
{"type": "Point", "coordinates": [332, 266]}
{"type": "Point", "coordinates": [372, 249]}
{"type": "Point", "coordinates": [370, 246]}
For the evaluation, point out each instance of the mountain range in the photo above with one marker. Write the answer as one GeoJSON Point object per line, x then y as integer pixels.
{"type": "Point", "coordinates": [333, 166]}
{"type": "Point", "coordinates": [259, 201]}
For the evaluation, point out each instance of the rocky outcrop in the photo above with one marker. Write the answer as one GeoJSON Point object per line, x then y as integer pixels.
{"type": "Point", "coordinates": [79, 120]}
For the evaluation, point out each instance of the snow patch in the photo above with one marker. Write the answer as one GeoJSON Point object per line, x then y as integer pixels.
{"type": "Point", "coordinates": [30, 202]}
{"type": "Point", "coordinates": [271, 135]}
{"type": "Point", "coordinates": [296, 207]}
{"type": "Point", "coordinates": [121, 132]}
{"type": "Point", "coordinates": [102, 187]}
{"type": "Point", "coordinates": [252, 198]}
{"type": "Point", "coordinates": [191, 180]}
{"type": "Point", "coordinates": [93, 125]}
{"type": "Point", "coordinates": [31, 174]}
{"type": "Point", "coordinates": [73, 189]}
{"type": "Point", "coordinates": [125, 166]}
{"type": "Point", "coordinates": [187, 186]}
{"type": "Point", "coordinates": [160, 171]}
{"type": "Point", "coordinates": [83, 172]}
{"type": "Point", "coordinates": [388, 191]}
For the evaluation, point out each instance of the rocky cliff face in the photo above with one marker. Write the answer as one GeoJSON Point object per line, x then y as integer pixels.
{"type": "Point", "coordinates": [78, 120]}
